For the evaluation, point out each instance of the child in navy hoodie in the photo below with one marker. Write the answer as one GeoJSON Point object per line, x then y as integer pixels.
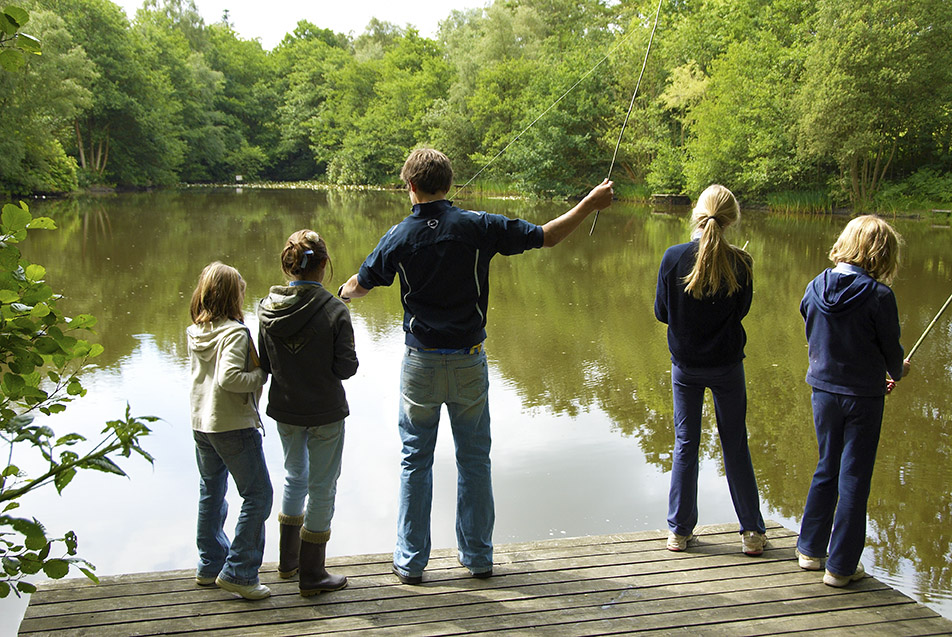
{"type": "Point", "coordinates": [852, 327]}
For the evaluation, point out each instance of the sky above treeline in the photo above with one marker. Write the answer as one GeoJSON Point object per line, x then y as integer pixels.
{"type": "Point", "coordinates": [270, 21]}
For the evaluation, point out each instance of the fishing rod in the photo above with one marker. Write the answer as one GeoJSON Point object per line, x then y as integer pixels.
{"type": "Point", "coordinates": [929, 328]}
{"type": "Point", "coordinates": [541, 115]}
{"type": "Point", "coordinates": [631, 105]}
{"type": "Point", "coordinates": [561, 97]}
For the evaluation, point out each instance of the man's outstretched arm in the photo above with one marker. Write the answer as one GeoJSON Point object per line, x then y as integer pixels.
{"type": "Point", "coordinates": [352, 290]}
{"type": "Point", "coordinates": [562, 226]}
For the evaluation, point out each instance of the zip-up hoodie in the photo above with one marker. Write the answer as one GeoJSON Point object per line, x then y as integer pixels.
{"type": "Point", "coordinates": [307, 345]}
{"type": "Point", "coordinates": [852, 327]}
{"type": "Point", "coordinates": [225, 383]}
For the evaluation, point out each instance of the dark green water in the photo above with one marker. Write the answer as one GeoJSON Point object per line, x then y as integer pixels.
{"type": "Point", "coordinates": [580, 371]}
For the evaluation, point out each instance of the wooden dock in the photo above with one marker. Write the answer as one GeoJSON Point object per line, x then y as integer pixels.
{"type": "Point", "coordinates": [581, 586]}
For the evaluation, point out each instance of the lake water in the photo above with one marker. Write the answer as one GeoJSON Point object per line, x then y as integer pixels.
{"type": "Point", "coordinates": [580, 377]}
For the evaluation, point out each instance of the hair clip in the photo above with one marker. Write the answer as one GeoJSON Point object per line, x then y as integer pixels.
{"type": "Point", "coordinates": [304, 260]}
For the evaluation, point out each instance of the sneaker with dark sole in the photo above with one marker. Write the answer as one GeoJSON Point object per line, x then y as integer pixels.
{"type": "Point", "coordinates": [678, 543]}
{"type": "Point", "coordinates": [754, 542]}
{"type": "Point", "coordinates": [808, 563]}
{"type": "Point", "coordinates": [248, 591]}
{"type": "Point", "coordinates": [839, 581]}
{"type": "Point", "coordinates": [407, 579]}
{"type": "Point", "coordinates": [482, 574]}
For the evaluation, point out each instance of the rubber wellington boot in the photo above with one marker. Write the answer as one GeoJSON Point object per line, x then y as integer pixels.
{"type": "Point", "coordinates": [314, 578]}
{"type": "Point", "coordinates": [289, 544]}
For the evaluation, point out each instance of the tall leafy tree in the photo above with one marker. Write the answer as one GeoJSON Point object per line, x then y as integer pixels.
{"type": "Point", "coordinates": [126, 136]}
{"type": "Point", "coordinates": [39, 102]}
{"type": "Point", "coordinates": [877, 75]}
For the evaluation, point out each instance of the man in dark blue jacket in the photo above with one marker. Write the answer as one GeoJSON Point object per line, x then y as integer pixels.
{"type": "Point", "coordinates": [441, 254]}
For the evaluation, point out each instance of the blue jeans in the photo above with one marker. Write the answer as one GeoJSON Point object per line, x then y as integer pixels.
{"type": "Point", "coordinates": [312, 457]}
{"type": "Point", "coordinates": [238, 453]}
{"type": "Point", "coordinates": [728, 387]}
{"type": "Point", "coordinates": [461, 382]}
{"type": "Point", "coordinates": [847, 434]}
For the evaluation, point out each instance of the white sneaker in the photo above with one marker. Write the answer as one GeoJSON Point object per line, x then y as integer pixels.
{"type": "Point", "coordinates": [678, 542]}
{"type": "Point", "coordinates": [839, 581]}
{"type": "Point", "coordinates": [754, 542]}
{"type": "Point", "coordinates": [248, 591]}
{"type": "Point", "coordinates": [808, 563]}
{"type": "Point", "coordinates": [205, 581]}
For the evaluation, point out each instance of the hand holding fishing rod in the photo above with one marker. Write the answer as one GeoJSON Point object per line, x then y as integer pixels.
{"type": "Point", "coordinates": [599, 198]}
{"type": "Point", "coordinates": [890, 383]}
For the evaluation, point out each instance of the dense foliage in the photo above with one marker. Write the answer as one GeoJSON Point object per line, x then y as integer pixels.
{"type": "Point", "coordinates": [845, 100]}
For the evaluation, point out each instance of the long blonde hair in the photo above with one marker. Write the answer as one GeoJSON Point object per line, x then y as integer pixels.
{"type": "Point", "coordinates": [218, 295]}
{"type": "Point", "coordinates": [870, 243]}
{"type": "Point", "coordinates": [714, 267]}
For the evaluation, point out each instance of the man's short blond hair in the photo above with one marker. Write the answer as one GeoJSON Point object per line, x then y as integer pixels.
{"type": "Point", "coordinates": [429, 170]}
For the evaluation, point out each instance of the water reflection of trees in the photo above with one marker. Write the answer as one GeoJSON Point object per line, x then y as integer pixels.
{"type": "Point", "coordinates": [571, 329]}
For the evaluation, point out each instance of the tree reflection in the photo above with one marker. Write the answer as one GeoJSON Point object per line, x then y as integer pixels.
{"type": "Point", "coordinates": [572, 330]}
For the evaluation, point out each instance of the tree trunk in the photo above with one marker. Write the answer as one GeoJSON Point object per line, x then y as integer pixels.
{"type": "Point", "coordinates": [79, 144]}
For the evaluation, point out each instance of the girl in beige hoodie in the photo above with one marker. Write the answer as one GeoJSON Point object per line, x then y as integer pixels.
{"type": "Point", "coordinates": [226, 384]}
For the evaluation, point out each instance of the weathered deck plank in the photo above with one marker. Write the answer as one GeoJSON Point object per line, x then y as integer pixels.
{"type": "Point", "coordinates": [617, 584]}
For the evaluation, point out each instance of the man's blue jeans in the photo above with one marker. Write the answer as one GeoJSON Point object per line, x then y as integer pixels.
{"type": "Point", "coordinates": [312, 457]}
{"type": "Point", "coordinates": [728, 387]}
{"type": "Point", "coordinates": [238, 453]}
{"type": "Point", "coordinates": [461, 382]}
{"type": "Point", "coordinates": [847, 433]}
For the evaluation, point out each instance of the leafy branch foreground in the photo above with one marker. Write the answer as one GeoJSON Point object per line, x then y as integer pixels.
{"type": "Point", "coordinates": [41, 358]}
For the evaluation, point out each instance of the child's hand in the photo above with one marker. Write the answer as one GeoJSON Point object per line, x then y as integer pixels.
{"type": "Point", "coordinates": [890, 385]}
{"type": "Point", "coordinates": [906, 366]}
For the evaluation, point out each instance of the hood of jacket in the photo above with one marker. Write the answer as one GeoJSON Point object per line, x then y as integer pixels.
{"type": "Point", "coordinates": [838, 291]}
{"type": "Point", "coordinates": [288, 308]}
{"type": "Point", "coordinates": [204, 339]}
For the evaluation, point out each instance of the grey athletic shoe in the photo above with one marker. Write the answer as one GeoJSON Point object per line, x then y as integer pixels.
{"type": "Point", "coordinates": [677, 542]}
{"type": "Point", "coordinates": [839, 581]}
{"type": "Point", "coordinates": [754, 542]}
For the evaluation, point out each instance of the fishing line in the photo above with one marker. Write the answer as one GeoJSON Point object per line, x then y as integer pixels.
{"type": "Point", "coordinates": [929, 328]}
{"type": "Point", "coordinates": [551, 106]}
{"type": "Point", "coordinates": [631, 105]}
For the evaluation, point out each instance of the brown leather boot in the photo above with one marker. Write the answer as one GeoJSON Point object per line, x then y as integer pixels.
{"type": "Point", "coordinates": [289, 545]}
{"type": "Point", "coordinates": [314, 578]}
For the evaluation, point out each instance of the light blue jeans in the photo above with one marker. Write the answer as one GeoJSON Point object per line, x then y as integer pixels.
{"type": "Point", "coordinates": [461, 382]}
{"type": "Point", "coordinates": [312, 459]}
{"type": "Point", "coordinates": [238, 453]}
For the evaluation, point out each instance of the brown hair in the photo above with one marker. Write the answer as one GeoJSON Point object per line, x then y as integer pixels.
{"type": "Point", "coordinates": [429, 170]}
{"type": "Point", "coordinates": [218, 295]}
{"type": "Point", "coordinates": [714, 267]}
{"type": "Point", "coordinates": [870, 243]}
{"type": "Point", "coordinates": [304, 255]}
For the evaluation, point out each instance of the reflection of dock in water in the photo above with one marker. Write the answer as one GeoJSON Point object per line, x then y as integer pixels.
{"type": "Point", "coordinates": [579, 586]}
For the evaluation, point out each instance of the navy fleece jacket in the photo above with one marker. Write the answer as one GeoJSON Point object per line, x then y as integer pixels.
{"type": "Point", "coordinates": [701, 332]}
{"type": "Point", "coordinates": [852, 326]}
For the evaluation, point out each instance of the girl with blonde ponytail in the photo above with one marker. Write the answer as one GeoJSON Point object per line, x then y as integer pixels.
{"type": "Point", "coordinates": [704, 292]}
{"type": "Point", "coordinates": [717, 260]}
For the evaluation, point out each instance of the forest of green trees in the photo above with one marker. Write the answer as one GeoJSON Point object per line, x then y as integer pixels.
{"type": "Point", "coordinates": [820, 102]}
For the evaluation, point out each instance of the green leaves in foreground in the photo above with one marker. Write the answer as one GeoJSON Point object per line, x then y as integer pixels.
{"type": "Point", "coordinates": [41, 357]}
{"type": "Point", "coordinates": [14, 45]}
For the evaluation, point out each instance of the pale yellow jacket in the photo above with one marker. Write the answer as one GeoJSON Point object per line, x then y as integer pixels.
{"type": "Point", "coordinates": [226, 380]}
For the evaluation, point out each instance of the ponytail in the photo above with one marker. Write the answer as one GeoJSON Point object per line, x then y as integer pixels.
{"type": "Point", "coordinates": [304, 254]}
{"type": "Point", "coordinates": [715, 267]}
